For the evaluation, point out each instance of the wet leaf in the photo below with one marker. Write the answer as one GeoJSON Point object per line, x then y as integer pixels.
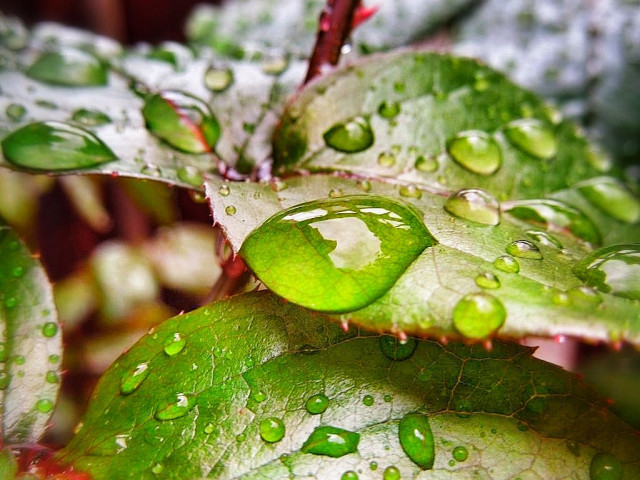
{"type": "Point", "coordinates": [202, 412]}
{"type": "Point", "coordinates": [30, 343]}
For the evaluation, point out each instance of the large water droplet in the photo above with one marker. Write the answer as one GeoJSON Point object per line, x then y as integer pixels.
{"type": "Point", "coordinates": [614, 269]}
{"type": "Point", "coordinates": [478, 315]}
{"type": "Point", "coordinates": [352, 136]}
{"type": "Point", "coordinates": [132, 379]}
{"type": "Point", "coordinates": [416, 440]}
{"type": "Point", "coordinates": [391, 473]}
{"type": "Point", "coordinates": [460, 453]}
{"type": "Point", "coordinates": [524, 249]}
{"type": "Point", "coordinates": [476, 151]}
{"type": "Point", "coordinates": [317, 404]}
{"type": "Point", "coordinates": [474, 205]}
{"type": "Point", "coordinates": [605, 466]}
{"type": "Point", "coordinates": [389, 109]}
{"type": "Point", "coordinates": [271, 429]}
{"type": "Point", "coordinates": [331, 441]}
{"type": "Point", "coordinates": [532, 137]}
{"type": "Point", "coordinates": [396, 349]}
{"type": "Point", "coordinates": [176, 407]}
{"type": "Point", "coordinates": [342, 253]}
{"type": "Point", "coordinates": [183, 121]}
{"type": "Point", "coordinates": [218, 79]}
{"type": "Point", "coordinates": [90, 118]}
{"type": "Point", "coordinates": [55, 146]}
{"type": "Point", "coordinates": [612, 197]}
{"type": "Point", "coordinates": [50, 329]}
{"type": "Point", "coordinates": [554, 215]}
{"type": "Point", "coordinates": [69, 67]}
{"type": "Point", "coordinates": [174, 344]}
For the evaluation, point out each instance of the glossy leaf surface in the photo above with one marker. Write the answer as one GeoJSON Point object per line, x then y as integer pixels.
{"type": "Point", "coordinates": [252, 358]}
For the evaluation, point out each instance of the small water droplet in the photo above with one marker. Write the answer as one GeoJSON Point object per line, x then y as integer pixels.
{"type": "Point", "coordinates": [416, 439]}
{"type": "Point", "coordinates": [584, 295]}
{"type": "Point", "coordinates": [331, 441]}
{"type": "Point", "coordinates": [44, 405]}
{"type": "Point", "coordinates": [598, 159]}
{"type": "Point", "coordinates": [183, 121]}
{"type": "Point", "coordinates": [50, 329]}
{"type": "Point", "coordinates": [19, 359]}
{"type": "Point", "coordinates": [532, 137]}
{"type": "Point", "coordinates": [178, 406]}
{"type": "Point", "coordinates": [389, 109]}
{"type": "Point", "coordinates": [373, 466]}
{"type": "Point", "coordinates": [272, 429]}
{"type": "Point", "coordinates": [335, 192]}
{"type": "Point", "coordinates": [367, 400]}
{"type": "Point", "coordinates": [54, 358]}
{"type": "Point", "coordinates": [612, 197]}
{"type": "Point", "coordinates": [230, 210]}
{"type": "Point", "coordinates": [55, 146]}
{"type": "Point", "coordinates": [352, 136]}
{"type": "Point", "coordinates": [349, 475]}
{"type": "Point", "coordinates": [218, 79]}
{"type": "Point", "coordinates": [561, 298]}
{"type": "Point", "coordinates": [605, 466]}
{"type": "Point", "coordinates": [476, 151]}
{"type": "Point", "coordinates": [190, 175]}
{"type": "Point", "coordinates": [174, 344]}
{"type": "Point", "coordinates": [410, 191]}
{"type": "Point", "coordinates": [507, 263]}
{"type": "Point", "coordinates": [274, 64]}
{"type": "Point", "coordinates": [399, 87]}
{"type": "Point", "coordinates": [478, 315]}
{"type": "Point", "coordinates": [460, 453]}
{"type": "Point", "coordinates": [426, 164]}
{"type": "Point", "coordinates": [317, 404]}
{"type": "Point", "coordinates": [90, 118]}
{"type": "Point", "coordinates": [15, 112]}
{"type": "Point", "coordinates": [224, 190]}
{"type": "Point", "coordinates": [524, 249]}
{"type": "Point", "coordinates": [543, 238]}
{"type": "Point", "coordinates": [49, 105]}
{"type": "Point", "coordinates": [157, 469]}
{"type": "Point", "coordinates": [391, 473]}
{"type": "Point", "coordinates": [614, 269]}
{"type": "Point", "coordinates": [364, 185]}
{"type": "Point", "coordinates": [132, 379]}
{"type": "Point", "coordinates": [386, 159]}
{"type": "Point", "coordinates": [69, 67]}
{"type": "Point", "coordinates": [396, 349]}
{"type": "Point", "coordinates": [474, 205]}
{"type": "Point", "coordinates": [151, 170]}
{"type": "Point", "coordinates": [52, 377]}
{"type": "Point", "coordinates": [487, 280]}
{"type": "Point", "coordinates": [209, 428]}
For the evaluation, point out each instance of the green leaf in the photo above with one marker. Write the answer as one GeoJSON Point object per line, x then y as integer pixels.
{"type": "Point", "coordinates": [30, 343]}
{"type": "Point", "coordinates": [522, 268]}
{"type": "Point", "coordinates": [251, 359]}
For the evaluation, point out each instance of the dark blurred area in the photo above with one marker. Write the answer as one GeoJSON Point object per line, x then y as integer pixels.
{"type": "Point", "coordinates": [128, 21]}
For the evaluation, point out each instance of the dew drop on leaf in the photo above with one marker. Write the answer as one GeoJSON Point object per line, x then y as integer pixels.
{"type": "Point", "coordinates": [460, 453]}
{"type": "Point", "coordinates": [52, 377]}
{"type": "Point", "coordinates": [532, 137]}
{"type": "Point", "coordinates": [174, 344]}
{"type": "Point", "coordinates": [612, 197]}
{"type": "Point", "coordinates": [584, 295]}
{"type": "Point", "coordinates": [507, 263]}
{"type": "Point", "coordinates": [15, 111]}
{"type": "Point", "coordinates": [54, 146]}
{"type": "Point", "coordinates": [218, 79]}
{"type": "Point", "coordinates": [274, 64]}
{"type": "Point", "coordinates": [475, 205]}
{"type": "Point", "coordinates": [335, 192]}
{"type": "Point", "coordinates": [373, 466]}
{"type": "Point", "coordinates": [132, 379]}
{"type": "Point", "coordinates": [183, 121]}
{"type": "Point", "coordinates": [271, 429]}
{"type": "Point", "coordinates": [389, 109]}
{"type": "Point", "coordinates": [364, 185]}
{"type": "Point", "coordinates": [410, 191]}
{"type": "Point", "coordinates": [209, 428]}
{"type": "Point", "coordinates": [367, 400]}
{"type": "Point", "coordinates": [50, 329]}
{"type": "Point", "coordinates": [426, 164]}
{"type": "Point", "coordinates": [391, 473]}
{"type": "Point", "coordinates": [317, 404]}
{"type": "Point", "coordinates": [68, 67]}
{"type": "Point", "coordinates": [543, 238]}
{"type": "Point", "coordinates": [416, 439]}
{"type": "Point", "coordinates": [478, 315]}
{"type": "Point", "coordinates": [387, 159]}
{"type": "Point", "coordinates": [605, 466]}
{"type": "Point", "coordinates": [44, 405]}
{"type": "Point", "coordinates": [191, 175]}
{"type": "Point", "coordinates": [524, 249]}
{"type": "Point", "coordinates": [230, 210]}
{"type": "Point", "coordinates": [614, 269]}
{"type": "Point", "coordinates": [487, 280]}
{"type": "Point", "coordinates": [259, 396]}
{"type": "Point", "coordinates": [476, 151]}
{"type": "Point", "coordinates": [331, 441]}
{"type": "Point", "coordinates": [341, 253]}
{"type": "Point", "coordinates": [352, 136]}
{"type": "Point", "coordinates": [349, 475]}
{"type": "Point", "coordinates": [396, 349]}
{"type": "Point", "coordinates": [157, 469]}
{"type": "Point", "coordinates": [224, 190]}
{"type": "Point", "coordinates": [178, 406]}
{"type": "Point", "coordinates": [90, 118]}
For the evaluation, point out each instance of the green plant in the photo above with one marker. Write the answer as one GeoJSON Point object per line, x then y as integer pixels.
{"type": "Point", "coordinates": [406, 197]}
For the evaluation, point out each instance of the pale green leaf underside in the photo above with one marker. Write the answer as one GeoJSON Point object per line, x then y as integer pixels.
{"type": "Point", "coordinates": [422, 300]}
{"type": "Point", "coordinates": [252, 357]}
{"type": "Point", "coordinates": [30, 343]}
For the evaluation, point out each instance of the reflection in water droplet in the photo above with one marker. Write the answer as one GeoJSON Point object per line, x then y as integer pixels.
{"type": "Point", "coordinates": [190, 175]}
{"type": "Point", "coordinates": [532, 137]}
{"type": "Point", "coordinates": [90, 118]}
{"type": "Point", "coordinates": [476, 151]}
{"type": "Point", "coordinates": [543, 238]}
{"type": "Point", "coordinates": [331, 441]}
{"type": "Point", "coordinates": [396, 349]}
{"type": "Point", "coordinates": [524, 249]}
{"type": "Point", "coordinates": [391, 473]}
{"type": "Point", "coordinates": [69, 67]}
{"type": "Point", "coordinates": [44, 405]}
{"type": "Point", "coordinates": [15, 111]}
{"type": "Point", "coordinates": [614, 269]}
{"type": "Point", "coordinates": [612, 197]}
{"type": "Point", "coordinates": [132, 379]}
{"type": "Point", "coordinates": [368, 400]}
{"type": "Point", "coordinates": [507, 264]}
{"type": "Point", "coordinates": [478, 315]}
{"type": "Point", "coordinates": [178, 406]}
{"type": "Point", "coordinates": [426, 164]}
{"type": "Point", "coordinates": [50, 329]}
{"type": "Point", "coordinates": [416, 439]}
{"type": "Point", "coordinates": [352, 136]}
{"type": "Point", "coordinates": [54, 146]}
{"type": "Point", "coordinates": [474, 205]}
{"type": "Point", "coordinates": [460, 453]}
{"type": "Point", "coordinates": [174, 344]}
{"type": "Point", "coordinates": [271, 429]}
{"type": "Point", "coordinates": [605, 466]}
{"type": "Point", "coordinates": [317, 404]}
{"type": "Point", "coordinates": [389, 109]}
{"type": "Point", "coordinates": [349, 475]}
{"type": "Point", "coordinates": [487, 280]}
{"type": "Point", "coordinates": [386, 159]}
{"type": "Point", "coordinates": [218, 79]}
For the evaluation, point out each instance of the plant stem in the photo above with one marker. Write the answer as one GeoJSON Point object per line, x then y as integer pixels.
{"type": "Point", "coordinates": [335, 24]}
